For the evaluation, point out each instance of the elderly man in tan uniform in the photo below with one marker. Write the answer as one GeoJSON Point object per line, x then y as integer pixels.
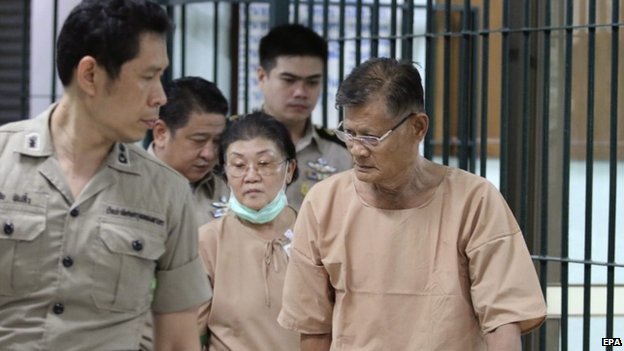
{"type": "Point", "coordinates": [96, 235]}
{"type": "Point", "coordinates": [186, 138]}
{"type": "Point", "coordinates": [401, 253]}
{"type": "Point", "coordinates": [290, 76]}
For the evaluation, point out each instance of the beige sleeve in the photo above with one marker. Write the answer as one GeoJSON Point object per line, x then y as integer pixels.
{"type": "Point", "coordinates": [504, 285]}
{"type": "Point", "coordinates": [307, 303]}
{"type": "Point", "coordinates": [208, 245]}
{"type": "Point", "coordinates": [181, 281]}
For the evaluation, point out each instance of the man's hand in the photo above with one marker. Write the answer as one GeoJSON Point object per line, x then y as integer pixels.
{"type": "Point", "coordinates": [176, 331]}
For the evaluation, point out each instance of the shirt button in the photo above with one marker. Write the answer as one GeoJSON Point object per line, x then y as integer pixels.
{"type": "Point", "coordinates": [58, 308]}
{"type": "Point", "coordinates": [68, 261]}
{"type": "Point", "coordinates": [74, 212]}
{"type": "Point", "coordinates": [8, 228]}
{"type": "Point", "coordinates": [137, 245]}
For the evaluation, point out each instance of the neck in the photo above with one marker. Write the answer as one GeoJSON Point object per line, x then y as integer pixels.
{"type": "Point", "coordinates": [73, 136]}
{"type": "Point", "coordinates": [79, 148]}
{"type": "Point", "coordinates": [411, 189]}
{"type": "Point", "coordinates": [275, 228]}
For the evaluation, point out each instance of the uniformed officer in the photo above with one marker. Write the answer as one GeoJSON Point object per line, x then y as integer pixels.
{"type": "Point", "coordinates": [186, 138]}
{"type": "Point", "coordinates": [95, 233]}
{"type": "Point", "coordinates": [290, 76]}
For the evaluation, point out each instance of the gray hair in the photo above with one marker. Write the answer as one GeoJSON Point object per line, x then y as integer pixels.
{"type": "Point", "coordinates": [397, 82]}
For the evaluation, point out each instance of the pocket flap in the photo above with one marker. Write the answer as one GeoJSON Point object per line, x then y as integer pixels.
{"type": "Point", "coordinates": [131, 241]}
{"type": "Point", "coordinates": [21, 226]}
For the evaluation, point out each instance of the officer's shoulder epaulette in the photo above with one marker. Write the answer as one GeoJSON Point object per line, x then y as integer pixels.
{"type": "Point", "coordinates": [234, 118]}
{"type": "Point", "coordinates": [328, 134]}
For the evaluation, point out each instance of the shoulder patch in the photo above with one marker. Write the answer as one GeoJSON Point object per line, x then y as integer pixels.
{"type": "Point", "coordinates": [328, 134]}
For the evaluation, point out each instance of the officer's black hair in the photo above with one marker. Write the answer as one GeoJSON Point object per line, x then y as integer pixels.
{"type": "Point", "coordinates": [187, 95]}
{"type": "Point", "coordinates": [109, 31]}
{"type": "Point", "coordinates": [290, 40]}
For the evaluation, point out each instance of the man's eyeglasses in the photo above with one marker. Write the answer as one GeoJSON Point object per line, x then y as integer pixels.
{"type": "Point", "coordinates": [367, 140]}
{"type": "Point", "coordinates": [264, 168]}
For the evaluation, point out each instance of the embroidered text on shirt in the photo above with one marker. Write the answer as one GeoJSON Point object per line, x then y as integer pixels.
{"type": "Point", "coordinates": [127, 213]}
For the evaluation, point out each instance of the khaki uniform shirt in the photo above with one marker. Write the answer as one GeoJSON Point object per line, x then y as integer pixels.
{"type": "Point", "coordinates": [210, 195]}
{"type": "Point", "coordinates": [319, 155]}
{"type": "Point", "coordinates": [83, 274]}
{"type": "Point", "coordinates": [247, 273]}
{"type": "Point", "coordinates": [435, 277]}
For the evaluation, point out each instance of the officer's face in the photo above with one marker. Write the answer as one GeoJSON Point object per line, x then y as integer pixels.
{"type": "Point", "coordinates": [292, 88]}
{"type": "Point", "coordinates": [125, 108]}
{"type": "Point", "coordinates": [256, 171]}
{"type": "Point", "coordinates": [192, 149]}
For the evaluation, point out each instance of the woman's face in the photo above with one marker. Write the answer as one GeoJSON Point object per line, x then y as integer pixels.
{"type": "Point", "coordinates": [256, 171]}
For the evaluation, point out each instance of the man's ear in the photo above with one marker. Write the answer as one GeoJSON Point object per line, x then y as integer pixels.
{"type": "Point", "coordinates": [261, 74]}
{"type": "Point", "coordinates": [161, 134]}
{"type": "Point", "coordinates": [420, 125]}
{"type": "Point", "coordinates": [87, 74]}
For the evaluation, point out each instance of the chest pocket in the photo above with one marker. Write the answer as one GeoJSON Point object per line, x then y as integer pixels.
{"type": "Point", "coordinates": [21, 229]}
{"type": "Point", "coordinates": [124, 262]}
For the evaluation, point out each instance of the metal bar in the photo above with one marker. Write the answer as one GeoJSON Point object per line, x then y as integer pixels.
{"type": "Point", "coordinates": [54, 34]}
{"type": "Point", "coordinates": [358, 32]}
{"type": "Point", "coordinates": [246, 63]}
{"type": "Point", "coordinates": [215, 40]}
{"type": "Point", "coordinates": [310, 13]}
{"type": "Point", "coordinates": [296, 11]}
{"type": "Point", "coordinates": [589, 174]}
{"type": "Point", "coordinates": [543, 216]}
{"type": "Point", "coordinates": [474, 122]}
{"type": "Point", "coordinates": [374, 29]}
{"type": "Point", "coordinates": [613, 164]}
{"type": "Point", "coordinates": [565, 182]}
{"type": "Point", "coordinates": [234, 49]}
{"type": "Point", "coordinates": [325, 69]}
{"type": "Point", "coordinates": [183, 40]}
{"type": "Point", "coordinates": [485, 68]}
{"type": "Point", "coordinates": [491, 31]}
{"type": "Point", "coordinates": [571, 260]}
{"type": "Point", "coordinates": [526, 67]}
{"type": "Point", "coordinates": [24, 64]}
{"type": "Point", "coordinates": [393, 24]}
{"type": "Point", "coordinates": [463, 113]}
{"type": "Point", "coordinates": [504, 125]}
{"type": "Point", "coordinates": [341, 48]}
{"type": "Point", "coordinates": [407, 30]}
{"type": "Point", "coordinates": [446, 113]}
{"type": "Point", "coordinates": [429, 74]}
{"type": "Point", "coordinates": [278, 13]}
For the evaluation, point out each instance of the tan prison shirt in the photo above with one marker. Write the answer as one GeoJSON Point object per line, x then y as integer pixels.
{"type": "Point", "coordinates": [319, 155]}
{"type": "Point", "coordinates": [210, 195]}
{"type": "Point", "coordinates": [78, 274]}
{"type": "Point", "coordinates": [247, 273]}
{"type": "Point", "coordinates": [436, 277]}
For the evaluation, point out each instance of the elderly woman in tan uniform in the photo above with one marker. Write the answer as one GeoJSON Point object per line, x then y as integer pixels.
{"type": "Point", "coordinates": [245, 253]}
{"type": "Point", "coordinates": [401, 253]}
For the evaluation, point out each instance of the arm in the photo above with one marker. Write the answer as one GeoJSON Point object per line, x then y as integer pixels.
{"type": "Point", "coordinates": [505, 337]}
{"type": "Point", "coordinates": [176, 331]}
{"type": "Point", "coordinates": [315, 342]}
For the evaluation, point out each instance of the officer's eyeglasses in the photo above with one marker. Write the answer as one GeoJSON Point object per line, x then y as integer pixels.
{"type": "Point", "coordinates": [367, 140]}
{"type": "Point", "coordinates": [238, 169]}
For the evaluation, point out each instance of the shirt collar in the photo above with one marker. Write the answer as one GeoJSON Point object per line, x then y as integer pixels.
{"type": "Point", "coordinates": [37, 142]}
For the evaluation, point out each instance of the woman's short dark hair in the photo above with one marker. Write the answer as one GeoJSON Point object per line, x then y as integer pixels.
{"type": "Point", "coordinates": [258, 125]}
{"type": "Point", "coordinates": [109, 31]}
